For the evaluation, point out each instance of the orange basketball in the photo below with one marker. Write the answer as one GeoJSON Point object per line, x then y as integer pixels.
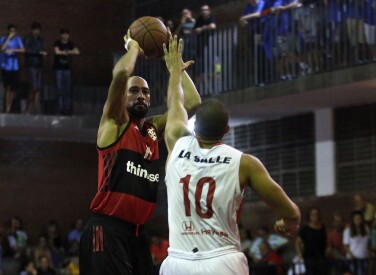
{"type": "Point", "coordinates": [150, 33]}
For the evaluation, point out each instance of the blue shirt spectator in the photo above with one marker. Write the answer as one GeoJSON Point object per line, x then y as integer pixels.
{"type": "Point", "coordinates": [254, 7]}
{"type": "Point", "coordinates": [354, 9]}
{"type": "Point", "coordinates": [336, 13]}
{"type": "Point", "coordinates": [9, 61]}
{"type": "Point", "coordinates": [370, 12]}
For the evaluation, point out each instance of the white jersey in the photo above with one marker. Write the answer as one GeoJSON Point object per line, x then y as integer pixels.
{"type": "Point", "coordinates": [204, 196]}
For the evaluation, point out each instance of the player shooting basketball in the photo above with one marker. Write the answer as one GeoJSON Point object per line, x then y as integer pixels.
{"type": "Point", "coordinates": [113, 241]}
{"type": "Point", "coordinates": [204, 180]}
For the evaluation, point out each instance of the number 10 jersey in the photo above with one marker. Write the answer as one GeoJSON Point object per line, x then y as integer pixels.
{"type": "Point", "coordinates": [204, 196]}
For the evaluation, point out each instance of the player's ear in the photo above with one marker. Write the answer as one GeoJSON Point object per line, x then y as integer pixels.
{"type": "Point", "coordinates": [227, 128]}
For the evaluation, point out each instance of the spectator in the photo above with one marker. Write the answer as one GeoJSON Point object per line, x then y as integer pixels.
{"type": "Point", "coordinates": [335, 249]}
{"type": "Point", "coordinates": [42, 250]}
{"type": "Point", "coordinates": [55, 243]}
{"type": "Point", "coordinates": [17, 238]}
{"type": "Point", "coordinates": [45, 267]}
{"type": "Point", "coordinates": [64, 49]}
{"type": "Point", "coordinates": [285, 45]}
{"type": "Point", "coordinates": [10, 44]}
{"type": "Point", "coordinates": [355, 29]}
{"type": "Point", "coordinates": [28, 268]}
{"type": "Point", "coordinates": [275, 241]}
{"type": "Point", "coordinates": [158, 251]}
{"type": "Point", "coordinates": [336, 32]}
{"type": "Point", "coordinates": [34, 52]}
{"type": "Point", "coordinates": [75, 233]}
{"type": "Point", "coordinates": [73, 266]}
{"type": "Point", "coordinates": [185, 31]}
{"type": "Point", "coordinates": [306, 18]}
{"type": "Point", "coordinates": [370, 27]}
{"type": "Point", "coordinates": [367, 208]}
{"type": "Point", "coordinates": [356, 240]}
{"type": "Point", "coordinates": [272, 262]}
{"type": "Point", "coordinates": [311, 244]}
{"type": "Point", "coordinates": [251, 18]}
{"type": "Point", "coordinates": [204, 27]}
{"type": "Point", "coordinates": [246, 242]}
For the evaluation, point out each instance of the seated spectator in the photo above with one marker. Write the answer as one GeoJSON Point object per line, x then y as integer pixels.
{"type": "Point", "coordinates": [270, 261]}
{"type": "Point", "coordinates": [158, 251]}
{"type": "Point", "coordinates": [367, 208]}
{"type": "Point", "coordinates": [17, 238]}
{"type": "Point", "coordinates": [336, 249]}
{"type": "Point", "coordinates": [45, 267]}
{"type": "Point", "coordinates": [42, 250]}
{"type": "Point", "coordinates": [246, 242]}
{"type": "Point", "coordinates": [275, 241]}
{"type": "Point", "coordinates": [55, 243]}
{"type": "Point", "coordinates": [73, 266]}
{"type": "Point", "coordinates": [28, 268]}
{"type": "Point", "coordinates": [75, 233]}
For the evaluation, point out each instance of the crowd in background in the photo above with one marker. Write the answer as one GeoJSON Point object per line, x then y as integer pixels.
{"type": "Point", "coordinates": [34, 49]}
{"type": "Point", "coordinates": [345, 247]}
{"type": "Point", "coordinates": [284, 39]}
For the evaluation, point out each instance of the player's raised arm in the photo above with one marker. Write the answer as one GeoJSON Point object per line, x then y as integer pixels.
{"type": "Point", "coordinates": [253, 173]}
{"type": "Point", "coordinates": [177, 117]}
{"type": "Point", "coordinates": [114, 113]}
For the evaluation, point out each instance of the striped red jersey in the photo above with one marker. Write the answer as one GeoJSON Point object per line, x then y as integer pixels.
{"type": "Point", "coordinates": [128, 175]}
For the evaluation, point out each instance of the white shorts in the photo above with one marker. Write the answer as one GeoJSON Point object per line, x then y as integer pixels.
{"type": "Point", "coordinates": [217, 262]}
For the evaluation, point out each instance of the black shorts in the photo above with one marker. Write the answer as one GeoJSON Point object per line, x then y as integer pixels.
{"type": "Point", "coordinates": [10, 79]}
{"type": "Point", "coordinates": [114, 247]}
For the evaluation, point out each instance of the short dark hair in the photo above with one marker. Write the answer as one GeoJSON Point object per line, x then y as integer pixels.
{"type": "Point", "coordinates": [64, 30]}
{"type": "Point", "coordinates": [211, 119]}
{"type": "Point", "coordinates": [36, 26]}
{"type": "Point", "coordinates": [11, 26]}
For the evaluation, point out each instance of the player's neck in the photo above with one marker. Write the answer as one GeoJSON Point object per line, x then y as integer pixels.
{"type": "Point", "coordinates": [208, 144]}
{"type": "Point", "coordinates": [139, 122]}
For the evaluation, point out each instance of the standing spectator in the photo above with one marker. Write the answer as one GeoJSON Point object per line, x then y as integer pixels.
{"type": "Point", "coordinates": [158, 251]}
{"type": "Point", "coordinates": [44, 267]}
{"type": "Point", "coordinates": [251, 18]}
{"type": "Point", "coordinates": [204, 27]}
{"type": "Point", "coordinates": [335, 249]}
{"type": "Point", "coordinates": [336, 32]}
{"type": "Point", "coordinates": [185, 30]}
{"type": "Point", "coordinates": [311, 244]}
{"type": "Point", "coordinates": [285, 45]}
{"type": "Point", "coordinates": [64, 49]}
{"type": "Point", "coordinates": [366, 208]}
{"type": "Point", "coordinates": [306, 18]}
{"type": "Point", "coordinates": [34, 52]}
{"type": "Point", "coordinates": [355, 29]}
{"type": "Point", "coordinates": [10, 44]}
{"type": "Point", "coordinates": [370, 26]}
{"type": "Point", "coordinates": [356, 240]}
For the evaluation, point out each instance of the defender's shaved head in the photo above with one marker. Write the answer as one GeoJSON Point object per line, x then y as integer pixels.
{"type": "Point", "coordinates": [211, 119]}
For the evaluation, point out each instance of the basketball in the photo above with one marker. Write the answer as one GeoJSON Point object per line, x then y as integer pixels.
{"type": "Point", "coordinates": [150, 33]}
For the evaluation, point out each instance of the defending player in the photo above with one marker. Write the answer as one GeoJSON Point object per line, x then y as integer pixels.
{"type": "Point", "coordinates": [205, 179]}
{"type": "Point", "coordinates": [113, 241]}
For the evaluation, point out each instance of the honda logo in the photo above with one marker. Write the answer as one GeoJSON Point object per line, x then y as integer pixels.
{"type": "Point", "coordinates": [188, 226]}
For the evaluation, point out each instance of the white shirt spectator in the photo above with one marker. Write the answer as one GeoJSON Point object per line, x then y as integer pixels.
{"type": "Point", "coordinates": [358, 245]}
{"type": "Point", "coordinates": [274, 241]}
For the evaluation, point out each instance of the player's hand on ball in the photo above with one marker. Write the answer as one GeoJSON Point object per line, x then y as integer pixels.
{"type": "Point", "coordinates": [130, 43]}
{"type": "Point", "coordinates": [173, 56]}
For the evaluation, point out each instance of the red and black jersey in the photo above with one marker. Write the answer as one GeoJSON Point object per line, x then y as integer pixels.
{"type": "Point", "coordinates": [128, 175]}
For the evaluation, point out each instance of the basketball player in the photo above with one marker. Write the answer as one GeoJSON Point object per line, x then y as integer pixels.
{"type": "Point", "coordinates": [113, 241]}
{"type": "Point", "coordinates": [205, 179]}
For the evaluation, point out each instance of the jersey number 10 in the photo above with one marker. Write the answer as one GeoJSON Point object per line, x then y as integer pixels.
{"type": "Point", "coordinates": [198, 193]}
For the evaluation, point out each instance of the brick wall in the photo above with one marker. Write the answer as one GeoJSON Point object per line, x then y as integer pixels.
{"type": "Point", "coordinates": [97, 28]}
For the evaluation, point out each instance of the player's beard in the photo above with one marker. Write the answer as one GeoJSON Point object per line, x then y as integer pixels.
{"type": "Point", "coordinates": [138, 113]}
